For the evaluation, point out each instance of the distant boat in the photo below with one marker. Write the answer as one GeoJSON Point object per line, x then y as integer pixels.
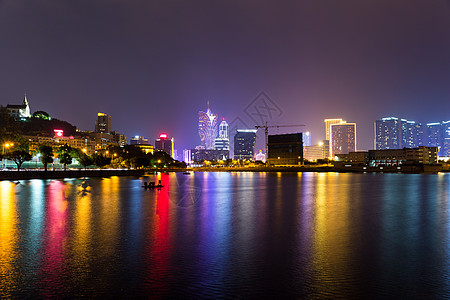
{"type": "Point", "coordinates": [187, 173]}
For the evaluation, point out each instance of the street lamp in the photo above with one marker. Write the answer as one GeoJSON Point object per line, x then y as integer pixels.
{"type": "Point", "coordinates": [6, 145]}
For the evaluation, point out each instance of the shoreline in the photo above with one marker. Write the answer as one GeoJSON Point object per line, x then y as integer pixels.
{"type": "Point", "coordinates": [60, 174]}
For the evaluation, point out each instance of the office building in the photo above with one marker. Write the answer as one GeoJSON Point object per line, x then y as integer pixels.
{"type": "Point", "coordinates": [244, 144]}
{"type": "Point", "coordinates": [343, 138]}
{"type": "Point", "coordinates": [166, 144]}
{"type": "Point", "coordinates": [207, 128]}
{"type": "Point", "coordinates": [103, 123]}
{"type": "Point", "coordinates": [285, 149]}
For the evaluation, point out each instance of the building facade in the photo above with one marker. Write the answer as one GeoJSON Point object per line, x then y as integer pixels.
{"type": "Point", "coordinates": [343, 138]}
{"type": "Point", "coordinates": [244, 144]}
{"type": "Point", "coordinates": [315, 152]}
{"type": "Point", "coordinates": [396, 133]}
{"type": "Point", "coordinates": [285, 149]}
{"type": "Point", "coordinates": [199, 156]}
{"type": "Point", "coordinates": [222, 142]}
{"type": "Point", "coordinates": [328, 124]}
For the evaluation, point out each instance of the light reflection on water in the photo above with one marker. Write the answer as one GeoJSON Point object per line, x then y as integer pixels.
{"type": "Point", "coordinates": [209, 235]}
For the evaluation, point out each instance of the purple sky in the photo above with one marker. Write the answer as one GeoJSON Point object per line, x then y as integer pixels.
{"type": "Point", "coordinates": [152, 65]}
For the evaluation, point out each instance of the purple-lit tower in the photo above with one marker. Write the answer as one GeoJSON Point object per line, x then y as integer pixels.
{"type": "Point", "coordinates": [207, 128]}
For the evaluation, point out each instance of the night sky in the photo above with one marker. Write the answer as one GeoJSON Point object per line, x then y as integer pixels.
{"type": "Point", "coordinates": [152, 65]}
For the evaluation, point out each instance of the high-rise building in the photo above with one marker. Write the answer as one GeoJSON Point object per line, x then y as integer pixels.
{"type": "Point", "coordinates": [223, 141]}
{"type": "Point", "coordinates": [388, 134]}
{"type": "Point", "coordinates": [395, 133]}
{"type": "Point", "coordinates": [244, 143]}
{"type": "Point", "coordinates": [285, 149]}
{"type": "Point", "coordinates": [207, 128]}
{"type": "Point", "coordinates": [103, 123]}
{"type": "Point", "coordinates": [434, 134]}
{"type": "Point", "coordinates": [343, 138]}
{"type": "Point", "coordinates": [166, 144]}
{"type": "Point", "coordinates": [328, 123]}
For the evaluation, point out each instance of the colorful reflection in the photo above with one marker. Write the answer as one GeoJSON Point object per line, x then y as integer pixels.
{"type": "Point", "coordinates": [9, 238]}
{"type": "Point", "coordinates": [56, 240]}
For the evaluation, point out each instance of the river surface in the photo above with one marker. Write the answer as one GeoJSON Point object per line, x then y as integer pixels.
{"type": "Point", "coordinates": [227, 235]}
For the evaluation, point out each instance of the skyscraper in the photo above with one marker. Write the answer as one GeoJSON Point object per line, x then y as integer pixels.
{"type": "Point", "coordinates": [207, 128]}
{"type": "Point", "coordinates": [223, 141]}
{"type": "Point", "coordinates": [328, 123]}
{"type": "Point", "coordinates": [244, 143]}
{"type": "Point", "coordinates": [388, 134]}
{"type": "Point", "coordinates": [103, 123]}
{"type": "Point", "coordinates": [395, 133]}
{"type": "Point", "coordinates": [166, 144]}
{"type": "Point", "coordinates": [343, 138]}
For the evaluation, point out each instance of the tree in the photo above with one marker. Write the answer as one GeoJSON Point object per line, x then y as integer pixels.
{"type": "Point", "coordinates": [65, 155]}
{"type": "Point", "coordinates": [85, 160]}
{"type": "Point", "coordinates": [19, 157]}
{"type": "Point", "coordinates": [46, 155]}
{"type": "Point", "coordinates": [101, 160]}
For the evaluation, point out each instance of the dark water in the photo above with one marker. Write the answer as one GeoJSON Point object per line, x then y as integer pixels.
{"type": "Point", "coordinates": [227, 235]}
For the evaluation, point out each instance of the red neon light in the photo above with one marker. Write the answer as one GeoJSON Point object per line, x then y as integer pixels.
{"type": "Point", "coordinates": [59, 132]}
{"type": "Point", "coordinates": [163, 136]}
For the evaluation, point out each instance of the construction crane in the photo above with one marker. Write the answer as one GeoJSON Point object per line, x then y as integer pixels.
{"type": "Point", "coordinates": [266, 131]}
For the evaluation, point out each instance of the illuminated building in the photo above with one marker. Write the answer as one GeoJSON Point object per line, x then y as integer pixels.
{"type": "Point", "coordinates": [103, 123]}
{"type": "Point", "coordinates": [328, 123]}
{"type": "Point", "coordinates": [200, 155]}
{"type": "Point", "coordinates": [187, 156]}
{"type": "Point", "coordinates": [260, 156]}
{"type": "Point", "coordinates": [315, 152]}
{"type": "Point", "coordinates": [343, 138]}
{"type": "Point", "coordinates": [207, 128]}
{"type": "Point", "coordinates": [139, 140]}
{"type": "Point", "coordinates": [19, 112]}
{"type": "Point", "coordinates": [285, 149]}
{"type": "Point", "coordinates": [395, 133]}
{"type": "Point", "coordinates": [244, 143]}
{"type": "Point", "coordinates": [307, 139]}
{"type": "Point", "coordinates": [438, 135]}
{"type": "Point", "coordinates": [223, 141]}
{"type": "Point", "coordinates": [164, 143]}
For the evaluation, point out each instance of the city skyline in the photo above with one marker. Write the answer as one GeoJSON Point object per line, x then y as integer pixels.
{"type": "Point", "coordinates": [151, 68]}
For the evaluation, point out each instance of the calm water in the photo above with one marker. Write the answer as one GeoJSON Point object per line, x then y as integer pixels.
{"type": "Point", "coordinates": [228, 235]}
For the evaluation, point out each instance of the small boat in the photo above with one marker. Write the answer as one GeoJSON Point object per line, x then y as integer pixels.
{"type": "Point", "coordinates": [187, 173]}
{"type": "Point", "coordinates": [152, 185]}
